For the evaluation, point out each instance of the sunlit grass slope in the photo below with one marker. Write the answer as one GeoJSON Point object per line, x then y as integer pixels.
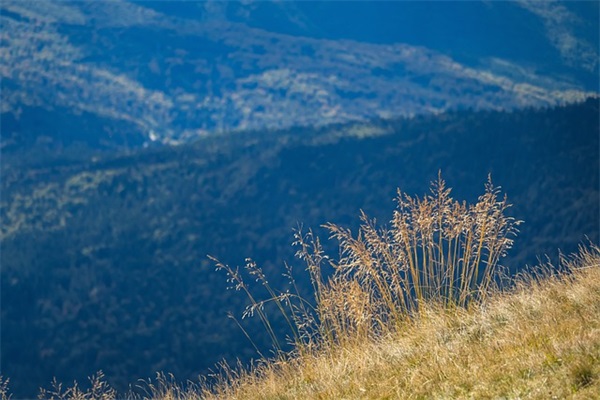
{"type": "Point", "coordinates": [541, 340]}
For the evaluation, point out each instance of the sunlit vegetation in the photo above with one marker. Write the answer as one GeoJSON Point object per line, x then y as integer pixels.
{"type": "Point", "coordinates": [539, 340]}
{"type": "Point", "coordinates": [437, 251]}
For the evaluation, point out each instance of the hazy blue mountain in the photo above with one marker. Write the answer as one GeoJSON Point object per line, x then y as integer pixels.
{"type": "Point", "coordinates": [127, 73]}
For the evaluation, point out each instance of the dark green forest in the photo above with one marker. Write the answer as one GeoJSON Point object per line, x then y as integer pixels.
{"type": "Point", "coordinates": [104, 254]}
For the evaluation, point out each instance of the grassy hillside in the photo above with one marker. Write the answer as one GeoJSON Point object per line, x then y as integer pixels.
{"type": "Point", "coordinates": [539, 341]}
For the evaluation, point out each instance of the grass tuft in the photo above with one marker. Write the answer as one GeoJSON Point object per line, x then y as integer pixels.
{"type": "Point", "coordinates": [538, 340]}
{"type": "Point", "coordinates": [436, 251]}
{"type": "Point", "coordinates": [99, 390]}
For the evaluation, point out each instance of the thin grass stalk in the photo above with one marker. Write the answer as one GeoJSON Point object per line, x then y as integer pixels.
{"type": "Point", "coordinates": [255, 305]}
{"type": "Point", "coordinates": [380, 245]}
{"type": "Point", "coordinates": [372, 237]}
{"type": "Point", "coordinates": [313, 256]}
{"type": "Point", "coordinates": [245, 332]}
{"type": "Point", "coordinates": [253, 269]}
{"type": "Point", "coordinates": [464, 268]}
{"type": "Point", "coordinates": [300, 314]}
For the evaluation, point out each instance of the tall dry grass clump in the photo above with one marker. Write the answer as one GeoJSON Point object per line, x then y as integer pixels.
{"type": "Point", "coordinates": [538, 340]}
{"type": "Point", "coordinates": [436, 250]}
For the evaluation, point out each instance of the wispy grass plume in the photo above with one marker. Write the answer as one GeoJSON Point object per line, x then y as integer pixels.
{"type": "Point", "coordinates": [435, 250]}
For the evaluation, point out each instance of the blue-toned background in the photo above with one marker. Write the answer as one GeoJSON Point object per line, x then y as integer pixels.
{"type": "Point", "coordinates": [138, 137]}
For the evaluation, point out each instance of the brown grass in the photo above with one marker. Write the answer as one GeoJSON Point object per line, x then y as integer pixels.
{"type": "Point", "coordinates": [99, 390]}
{"type": "Point", "coordinates": [436, 251]}
{"type": "Point", "coordinates": [539, 341]}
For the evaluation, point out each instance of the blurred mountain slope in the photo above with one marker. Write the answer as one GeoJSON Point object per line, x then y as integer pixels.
{"type": "Point", "coordinates": [134, 73]}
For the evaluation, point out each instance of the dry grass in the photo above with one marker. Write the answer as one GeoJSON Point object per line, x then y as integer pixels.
{"type": "Point", "coordinates": [99, 390]}
{"type": "Point", "coordinates": [540, 341]}
{"type": "Point", "coordinates": [4, 390]}
{"type": "Point", "coordinates": [436, 251]}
